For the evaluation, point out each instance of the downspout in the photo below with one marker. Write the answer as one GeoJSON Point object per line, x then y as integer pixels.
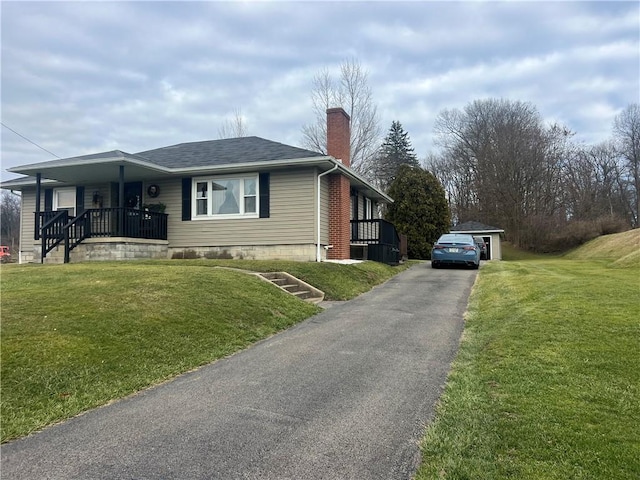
{"type": "Point", "coordinates": [318, 255]}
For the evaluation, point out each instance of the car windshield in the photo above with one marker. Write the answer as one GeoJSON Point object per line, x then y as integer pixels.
{"type": "Point", "coordinates": [455, 240]}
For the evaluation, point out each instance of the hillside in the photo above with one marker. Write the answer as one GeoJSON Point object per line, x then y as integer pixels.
{"type": "Point", "coordinates": [623, 249]}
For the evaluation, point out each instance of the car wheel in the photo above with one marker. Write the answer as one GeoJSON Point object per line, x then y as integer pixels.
{"type": "Point", "coordinates": [434, 265]}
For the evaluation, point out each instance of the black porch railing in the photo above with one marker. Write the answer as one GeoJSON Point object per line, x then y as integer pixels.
{"type": "Point", "coordinates": [381, 238]}
{"type": "Point", "coordinates": [51, 229]}
{"type": "Point", "coordinates": [56, 227]}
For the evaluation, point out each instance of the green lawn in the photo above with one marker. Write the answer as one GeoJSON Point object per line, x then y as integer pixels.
{"type": "Point", "coordinates": [79, 335]}
{"type": "Point", "coordinates": [546, 384]}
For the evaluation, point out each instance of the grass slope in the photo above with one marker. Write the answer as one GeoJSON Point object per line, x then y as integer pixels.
{"type": "Point", "coordinates": [337, 281]}
{"type": "Point", "coordinates": [546, 382]}
{"type": "Point", "coordinates": [80, 335]}
{"type": "Point", "coordinates": [622, 249]}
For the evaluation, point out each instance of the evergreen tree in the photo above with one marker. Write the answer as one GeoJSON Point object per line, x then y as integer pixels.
{"type": "Point", "coordinates": [395, 151]}
{"type": "Point", "coordinates": [420, 210]}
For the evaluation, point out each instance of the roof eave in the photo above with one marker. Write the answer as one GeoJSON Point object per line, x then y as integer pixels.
{"type": "Point", "coordinates": [232, 167]}
{"type": "Point", "coordinates": [29, 181]}
{"type": "Point", "coordinates": [354, 176]}
{"type": "Point", "coordinates": [35, 168]}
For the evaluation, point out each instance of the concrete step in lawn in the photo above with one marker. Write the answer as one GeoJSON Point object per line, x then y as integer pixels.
{"type": "Point", "coordinates": [294, 286]}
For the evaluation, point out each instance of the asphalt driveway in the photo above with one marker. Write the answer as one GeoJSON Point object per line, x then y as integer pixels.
{"type": "Point", "coordinates": [343, 395]}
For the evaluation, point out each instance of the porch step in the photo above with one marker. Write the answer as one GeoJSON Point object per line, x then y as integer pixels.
{"type": "Point", "coordinates": [56, 255]}
{"type": "Point", "coordinates": [294, 286]}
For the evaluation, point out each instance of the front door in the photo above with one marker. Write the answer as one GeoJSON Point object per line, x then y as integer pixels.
{"type": "Point", "coordinates": [127, 223]}
{"type": "Point", "coordinates": [133, 195]}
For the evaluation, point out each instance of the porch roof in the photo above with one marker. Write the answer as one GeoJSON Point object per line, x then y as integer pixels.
{"type": "Point", "coordinates": [90, 168]}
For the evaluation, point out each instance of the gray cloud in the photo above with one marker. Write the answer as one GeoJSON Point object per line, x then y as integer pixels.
{"type": "Point", "coordinates": [82, 77]}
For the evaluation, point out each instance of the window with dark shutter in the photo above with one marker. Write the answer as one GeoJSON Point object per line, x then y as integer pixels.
{"type": "Point", "coordinates": [186, 198]}
{"type": "Point", "coordinates": [264, 195]}
{"type": "Point", "coordinates": [79, 200]}
{"type": "Point", "coordinates": [48, 199]}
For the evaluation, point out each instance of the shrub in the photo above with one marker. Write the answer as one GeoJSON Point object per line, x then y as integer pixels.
{"type": "Point", "coordinates": [612, 224]}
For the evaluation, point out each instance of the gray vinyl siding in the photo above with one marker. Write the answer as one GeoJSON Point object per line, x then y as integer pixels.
{"type": "Point", "coordinates": [89, 190]}
{"type": "Point", "coordinates": [292, 216]}
{"type": "Point", "coordinates": [27, 220]}
{"type": "Point", "coordinates": [362, 207]}
{"type": "Point", "coordinates": [292, 220]}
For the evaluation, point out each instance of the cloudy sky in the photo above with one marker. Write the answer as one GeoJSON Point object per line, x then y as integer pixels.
{"type": "Point", "coordinates": [85, 77]}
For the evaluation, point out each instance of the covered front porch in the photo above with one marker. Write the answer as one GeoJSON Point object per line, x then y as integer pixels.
{"type": "Point", "coordinates": [117, 212]}
{"type": "Point", "coordinates": [113, 226]}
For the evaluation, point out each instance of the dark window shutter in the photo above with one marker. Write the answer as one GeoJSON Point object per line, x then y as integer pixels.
{"type": "Point", "coordinates": [79, 200]}
{"type": "Point", "coordinates": [355, 207]}
{"type": "Point", "coordinates": [48, 199]}
{"type": "Point", "coordinates": [264, 195]}
{"type": "Point", "coordinates": [186, 198]}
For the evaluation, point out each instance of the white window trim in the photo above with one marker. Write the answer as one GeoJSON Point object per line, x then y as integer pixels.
{"type": "Point", "coordinates": [71, 190]}
{"type": "Point", "coordinates": [241, 197]}
{"type": "Point", "coordinates": [368, 209]}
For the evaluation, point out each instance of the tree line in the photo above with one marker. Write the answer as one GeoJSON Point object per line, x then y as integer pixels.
{"type": "Point", "coordinates": [498, 163]}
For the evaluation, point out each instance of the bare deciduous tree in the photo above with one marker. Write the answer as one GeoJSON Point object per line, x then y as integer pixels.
{"type": "Point", "coordinates": [592, 184]}
{"type": "Point", "coordinates": [352, 92]}
{"type": "Point", "coordinates": [626, 131]}
{"type": "Point", "coordinates": [10, 220]}
{"type": "Point", "coordinates": [500, 163]}
{"type": "Point", "coordinates": [233, 128]}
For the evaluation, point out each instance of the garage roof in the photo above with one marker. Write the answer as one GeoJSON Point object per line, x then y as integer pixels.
{"type": "Point", "coordinates": [472, 227]}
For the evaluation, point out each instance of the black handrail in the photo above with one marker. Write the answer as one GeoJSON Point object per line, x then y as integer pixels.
{"type": "Point", "coordinates": [381, 237]}
{"type": "Point", "coordinates": [99, 222]}
{"type": "Point", "coordinates": [375, 230]}
{"type": "Point", "coordinates": [52, 231]}
{"type": "Point", "coordinates": [77, 230]}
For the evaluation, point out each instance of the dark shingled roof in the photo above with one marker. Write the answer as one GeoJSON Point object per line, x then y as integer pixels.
{"type": "Point", "coordinates": [224, 152]}
{"type": "Point", "coordinates": [474, 227]}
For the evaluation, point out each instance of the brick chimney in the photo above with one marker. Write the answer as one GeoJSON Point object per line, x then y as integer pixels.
{"type": "Point", "coordinates": [339, 147]}
{"type": "Point", "coordinates": [339, 135]}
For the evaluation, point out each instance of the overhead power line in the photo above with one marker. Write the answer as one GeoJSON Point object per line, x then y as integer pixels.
{"type": "Point", "coordinates": [31, 142]}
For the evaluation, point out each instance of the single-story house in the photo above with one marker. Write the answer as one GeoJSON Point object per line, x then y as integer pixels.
{"type": "Point", "coordinates": [232, 198]}
{"type": "Point", "coordinates": [491, 236]}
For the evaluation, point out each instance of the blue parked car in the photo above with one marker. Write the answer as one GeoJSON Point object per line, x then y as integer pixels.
{"type": "Point", "coordinates": [455, 249]}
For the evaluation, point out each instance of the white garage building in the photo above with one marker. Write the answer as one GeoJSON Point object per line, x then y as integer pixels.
{"type": "Point", "coordinates": [491, 236]}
